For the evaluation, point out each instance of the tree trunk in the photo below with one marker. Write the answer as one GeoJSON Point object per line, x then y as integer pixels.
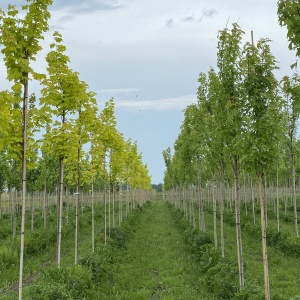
{"type": "Point", "coordinates": [25, 117]}
{"type": "Point", "coordinates": [32, 211]}
{"type": "Point", "coordinates": [264, 238]}
{"type": "Point", "coordinates": [104, 202]}
{"type": "Point", "coordinates": [200, 198]}
{"type": "Point", "coordinates": [77, 205]}
{"type": "Point", "coordinates": [44, 202]}
{"type": "Point", "coordinates": [294, 195]}
{"type": "Point", "coordinates": [60, 209]}
{"type": "Point", "coordinates": [93, 219]}
{"type": "Point", "coordinates": [277, 198]}
{"type": "Point", "coordinates": [238, 225]}
{"type": "Point", "coordinates": [113, 206]}
{"type": "Point", "coordinates": [120, 204]}
{"type": "Point", "coordinates": [222, 209]}
{"type": "Point", "coordinates": [214, 211]}
{"type": "Point", "coordinates": [253, 201]}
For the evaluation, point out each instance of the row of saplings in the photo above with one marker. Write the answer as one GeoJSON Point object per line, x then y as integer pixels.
{"type": "Point", "coordinates": [220, 275]}
{"type": "Point", "coordinates": [86, 279]}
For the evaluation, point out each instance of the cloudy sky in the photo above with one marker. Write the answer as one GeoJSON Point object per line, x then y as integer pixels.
{"type": "Point", "coordinates": [148, 55]}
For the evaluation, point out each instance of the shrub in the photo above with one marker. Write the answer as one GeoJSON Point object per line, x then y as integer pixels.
{"type": "Point", "coordinates": [222, 278]}
{"type": "Point", "coordinates": [65, 283]}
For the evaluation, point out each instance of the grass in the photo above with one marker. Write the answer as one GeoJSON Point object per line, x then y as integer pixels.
{"type": "Point", "coordinates": [154, 255]}
{"type": "Point", "coordinates": [157, 263]}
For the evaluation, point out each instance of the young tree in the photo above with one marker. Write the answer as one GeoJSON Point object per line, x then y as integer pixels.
{"type": "Point", "coordinates": [20, 39]}
{"type": "Point", "coordinates": [264, 130]}
{"type": "Point", "coordinates": [228, 57]}
{"type": "Point", "coordinates": [60, 98]}
{"type": "Point", "coordinates": [291, 91]}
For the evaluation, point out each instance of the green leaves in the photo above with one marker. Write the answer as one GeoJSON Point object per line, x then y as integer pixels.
{"type": "Point", "coordinates": [289, 15]}
{"type": "Point", "coordinates": [20, 37]}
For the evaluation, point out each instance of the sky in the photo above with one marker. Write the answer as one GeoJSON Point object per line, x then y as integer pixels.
{"type": "Point", "coordinates": [148, 56]}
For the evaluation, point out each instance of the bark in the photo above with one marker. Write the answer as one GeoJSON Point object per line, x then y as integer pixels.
{"type": "Point", "coordinates": [113, 206]}
{"type": "Point", "coordinates": [44, 203]}
{"type": "Point", "coordinates": [264, 238]}
{"type": "Point", "coordinates": [253, 201]}
{"type": "Point", "coordinates": [60, 209]}
{"type": "Point", "coordinates": [214, 211]}
{"type": "Point", "coordinates": [120, 204]}
{"type": "Point", "coordinates": [104, 203]}
{"type": "Point", "coordinates": [277, 199]}
{"type": "Point", "coordinates": [32, 211]}
{"type": "Point", "coordinates": [25, 121]}
{"type": "Point", "coordinates": [222, 209]}
{"type": "Point", "coordinates": [238, 225]}
{"type": "Point", "coordinates": [93, 219]}
{"type": "Point", "coordinates": [294, 194]}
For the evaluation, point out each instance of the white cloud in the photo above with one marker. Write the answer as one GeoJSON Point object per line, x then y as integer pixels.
{"type": "Point", "coordinates": [165, 104]}
{"type": "Point", "coordinates": [118, 91]}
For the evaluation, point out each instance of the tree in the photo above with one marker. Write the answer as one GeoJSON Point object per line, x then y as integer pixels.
{"type": "Point", "coordinates": [60, 98]}
{"type": "Point", "coordinates": [291, 91]}
{"type": "Point", "coordinates": [264, 132]}
{"type": "Point", "coordinates": [288, 15]}
{"type": "Point", "coordinates": [229, 52]}
{"type": "Point", "coordinates": [20, 39]}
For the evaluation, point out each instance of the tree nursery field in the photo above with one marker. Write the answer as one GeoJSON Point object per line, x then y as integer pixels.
{"type": "Point", "coordinates": [79, 218]}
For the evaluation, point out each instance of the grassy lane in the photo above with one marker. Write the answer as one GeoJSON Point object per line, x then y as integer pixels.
{"type": "Point", "coordinates": [156, 264]}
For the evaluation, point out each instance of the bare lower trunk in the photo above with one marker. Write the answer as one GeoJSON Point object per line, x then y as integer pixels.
{"type": "Point", "coordinates": [25, 106]}
{"type": "Point", "coordinates": [277, 199]}
{"type": "Point", "coordinates": [77, 206]}
{"type": "Point", "coordinates": [214, 211]}
{"type": "Point", "coordinates": [222, 209]}
{"type": "Point", "coordinates": [104, 203]}
{"type": "Point", "coordinates": [294, 196]}
{"type": "Point", "coordinates": [32, 211]}
{"type": "Point", "coordinates": [44, 203]}
{"type": "Point", "coordinates": [93, 219]}
{"type": "Point", "coordinates": [238, 226]}
{"type": "Point", "coordinates": [60, 209]}
{"type": "Point", "coordinates": [200, 199]}
{"type": "Point", "coordinates": [264, 238]}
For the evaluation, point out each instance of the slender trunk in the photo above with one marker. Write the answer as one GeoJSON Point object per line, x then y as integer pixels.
{"type": "Point", "coordinates": [238, 225]}
{"type": "Point", "coordinates": [120, 204]}
{"type": "Point", "coordinates": [214, 211]}
{"type": "Point", "coordinates": [25, 111]}
{"type": "Point", "coordinates": [104, 202]}
{"type": "Point", "coordinates": [60, 209]}
{"type": "Point", "coordinates": [222, 209]}
{"type": "Point", "coordinates": [264, 237]}
{"type": "Point", "coordinates": [77, 205]}
{"type": "Point", "coordinates": [253, 201]}
{"type": "Point", "coordinates": [109, 207]}
{"type": "Point", "coordinates": [265, 200]}
{"type": "Point", "coordinates": [15, 212]}
{"type": "Point", "coordinates": [93, 219]}
{"type": "Point", "coordinates": [277, 198]}
{"type": "Point", "coordinates": [127, 199]}
{"type": "Point", "coordinates": [113, 206]}
{"type": "Point", "coordinates": [32, 211]}
{"type": "Point", "coordinates": [200, 199]}
{"type": "Point", "coordinates": [44, 203]}
{"type": "Point", "coordinates": [294, 195]}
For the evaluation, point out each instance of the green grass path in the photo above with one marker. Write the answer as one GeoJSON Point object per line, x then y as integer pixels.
{"type": "Point", "coordinates": [156, 264]}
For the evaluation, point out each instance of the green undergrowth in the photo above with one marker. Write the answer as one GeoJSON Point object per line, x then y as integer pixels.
{"type": "Point", "coordinates": [146, 258]}
{"type": "Point", "coordinates": [283, 249]}
{"type": "Point", "coordinates": [220, 275]}
{"type": "Point", "coordinates": [94, 270]}
{"type": "Point", "coordinates": [40, 245]}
